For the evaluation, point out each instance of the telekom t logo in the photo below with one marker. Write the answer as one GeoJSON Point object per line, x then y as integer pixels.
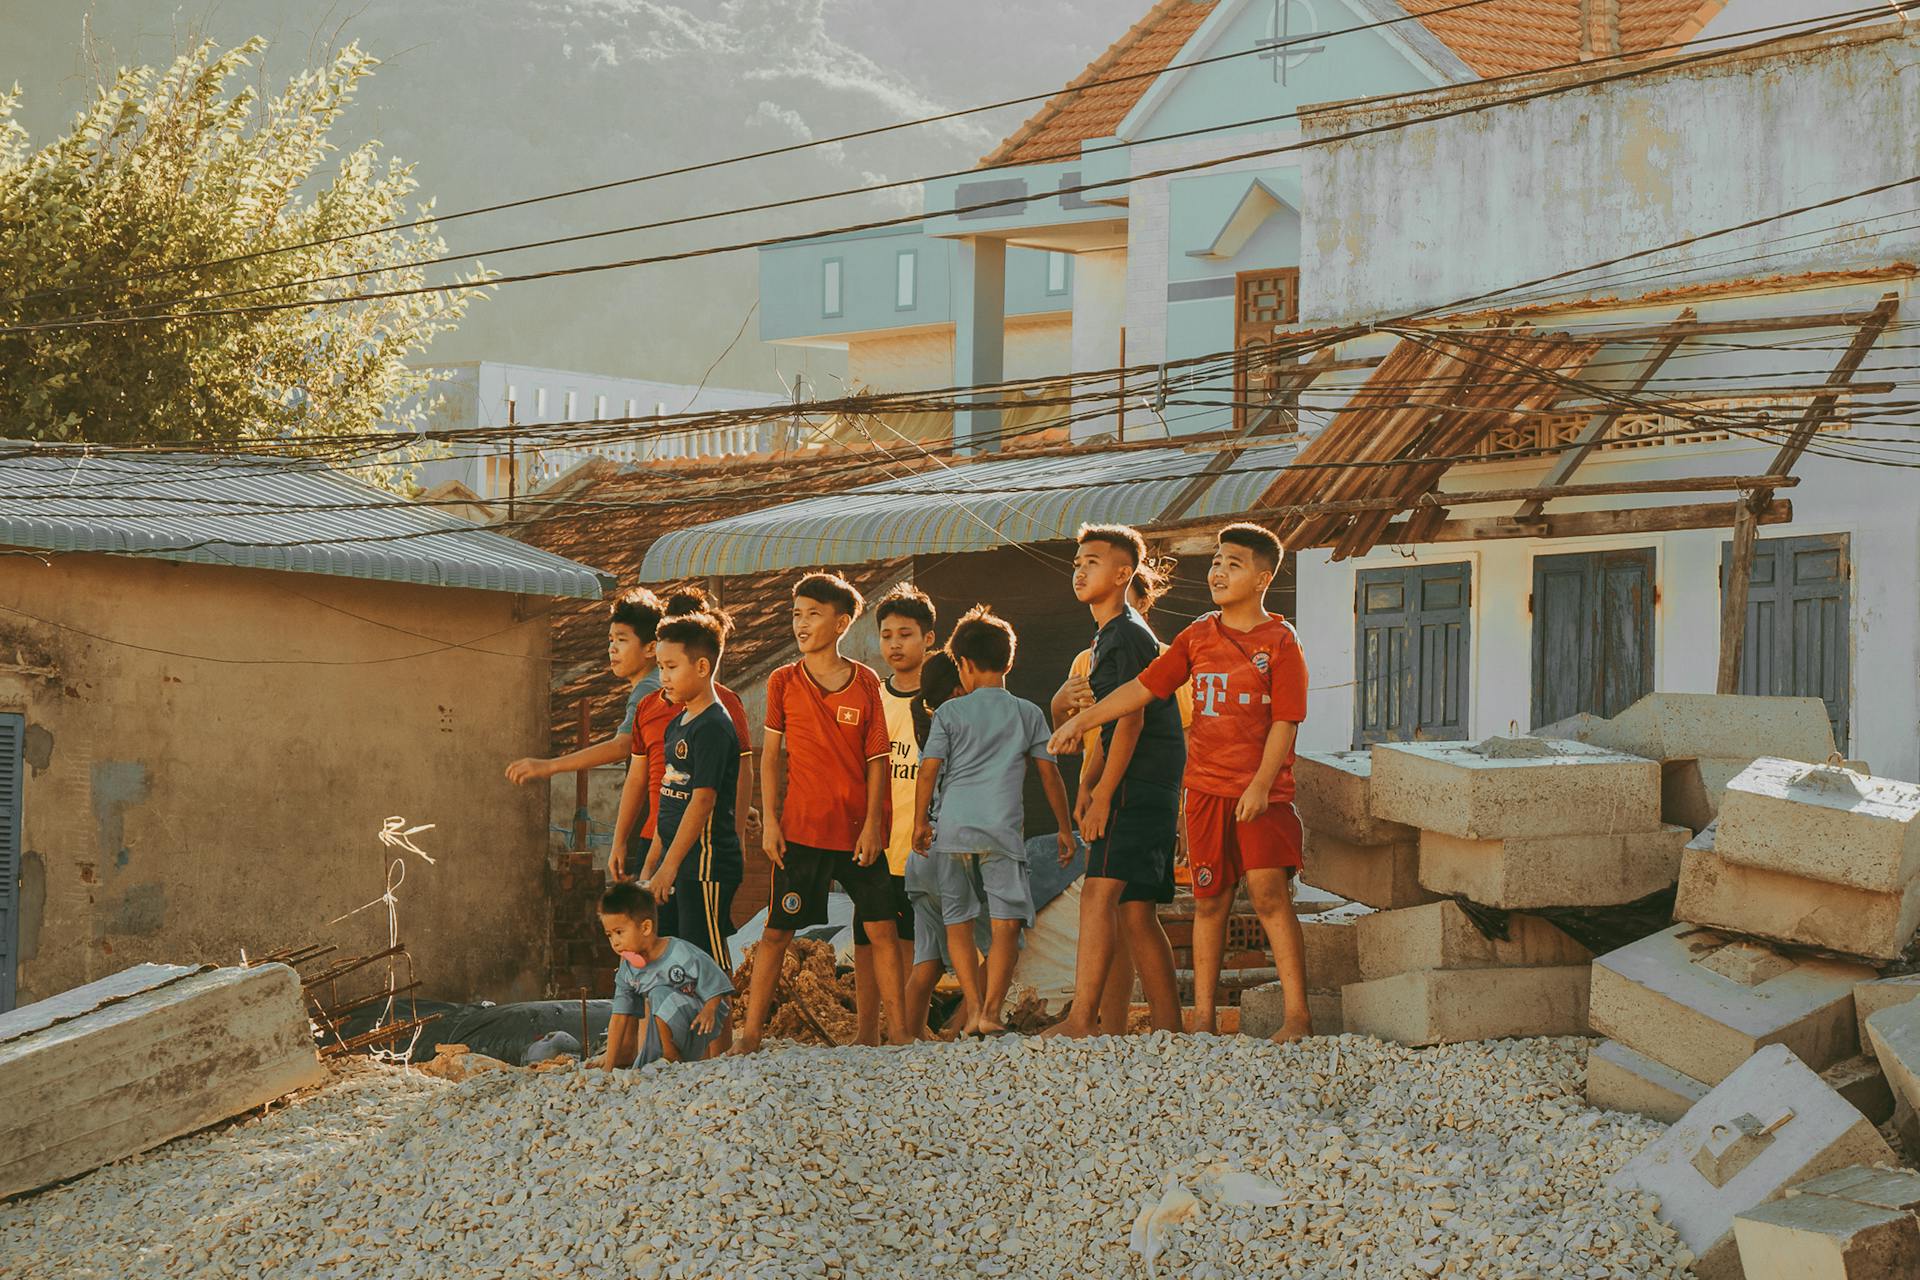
{"type": "Point", "coordinates": [1209, 690]}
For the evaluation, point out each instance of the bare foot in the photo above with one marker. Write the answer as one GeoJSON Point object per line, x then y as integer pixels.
{"type": "Point", "coordinates": [1293, 1029]}
{"type": "Point", "coordinates": [1069, 1030]}
{"type": "Point", "coordinates": [1204, 1024]}
{"type": "Point", "coordinates": [749, 1042]}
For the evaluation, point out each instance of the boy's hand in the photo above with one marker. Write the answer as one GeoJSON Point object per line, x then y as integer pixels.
{"type": "Point", "coordinates": [754, 830]}
{"type": "Point", "coordinates": [1252, 803]}
{"type": "Point", "coordinates": [527, 769]}
{"type": "Point", "coordinates": [773, 842]}
{"type": "Point", "coordinates": [1065, 840]}
{"type": "Point", "coordinates": [1096, 815]}
{"type": "Point", "coordinates": [703, 1021]}
{"type": "Point", "coordinates": [660, 886]}
{"type": "Point", "coordinates": [922, 836]}
{"type": "Point", "coordinates": [868, 848]}
{"type": "Point", "coordinates": [617, 864]}
{"type": "Point", "coordinates": [1066, 739]}
{"type": "Point", "coordinates": [1080, 692]}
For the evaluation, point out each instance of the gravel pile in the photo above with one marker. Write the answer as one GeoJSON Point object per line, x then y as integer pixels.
{"type": "Point", "coordinates": [1013, 1157]}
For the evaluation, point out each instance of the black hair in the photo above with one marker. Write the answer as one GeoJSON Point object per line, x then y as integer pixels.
{"type": "Point", "coordinates": [632, 901]}
{"type": "Point", "coordinates": [983, 638]}
{"type": "Point", "coordinates": [640, 609]}
{"type": "Point", "coordinates": [907, 601]}
{"type": "Point", "coordinates": [691, 599]}
{"type": "Point", "coordinates": [939, 681]}
{"type": "Point", "coordinates": [1124, 536]}
{"type": "Point", "coordinates": [1265, 547]}
{"type": "Point", "coordinates": [829, 588]}
{"type": "Point", "coordinates": [701, 634]}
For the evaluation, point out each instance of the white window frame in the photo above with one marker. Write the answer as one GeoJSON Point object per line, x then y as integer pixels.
{"type": "Point", "coordinates": [833, 287]}
{"type": "Point", "coordinates": [906, 280]}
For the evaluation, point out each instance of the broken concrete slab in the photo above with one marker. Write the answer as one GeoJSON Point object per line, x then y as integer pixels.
{"type": "Point", "coordinates": [1263, 1009]}
{"type": "Point", "coordinates": [1384, 876]}
{"type": "Point", "coordinates": [1510, 787]}
{"type": "Point", "coordinates": [1861, 1082]}
{"type": "Point", "coordinates": [1442, 936]}
{"type": "Point", "coordinates": [1442, 1006]}
{"type": "Point", "coordinates": [1870, 998]}
{"type": "Point", "coordinates": [1882, 1188]}
{"type": "Point", "coordinates": [1824, 823]}
{"type": "Point", "coordinates": [1894, 1036]}
{"type": "Point", "coordinates": [1791, 908]}
{"type": "Point", "coordinates": [1553, 871]}
{"type": "Point", "coordinates": [1623, 1079]}
{"type": "Point", "coordinates": [1332, 794]}
{"type": "Point", "coordinates": [1703, 1003]}
{"type": "Point", "coordinates": [1333, 947]}
{"type": "Point", "coordinates": [1691, 790]}
{"type": "Point", "coordinates": [1694, 726]}
{"type": "Point", "coordinates": [1814, 1238]}
{"type": "Point", "coordinates": [1769, 1125]}
{"type": "Point", "coordinates": [122, 1065]}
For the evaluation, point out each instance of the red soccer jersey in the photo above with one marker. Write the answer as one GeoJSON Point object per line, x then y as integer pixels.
{"type": "Point", "coordinates": [1243, 681]}
{"type": "Point", "coordinates": [829, 739]}
{"type": "Point", "coordinates": [650, 721]}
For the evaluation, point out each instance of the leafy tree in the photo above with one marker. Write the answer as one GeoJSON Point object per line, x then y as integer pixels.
{"type": "Point", "coordinates": [163, 194]}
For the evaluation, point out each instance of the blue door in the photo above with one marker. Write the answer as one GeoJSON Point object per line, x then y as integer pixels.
{"type": "Point", "coordinates": [13, 732]}
{"type": "Point", "coordinates": [1799, 622]}
{"type": "Point", "coordinates": [1410, 652]}
{"type": "Point", "coordinates": [1592, 633]}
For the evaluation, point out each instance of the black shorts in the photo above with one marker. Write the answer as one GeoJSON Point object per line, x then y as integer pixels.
{"type": "Point", "coordinates": [1138, 845]}
{"type": "Point", "coordinates": [902, 914]}
{"type": "Point", "coordinates": [701, 912]}
{"type": "Point", "coordinates": [801, 887]}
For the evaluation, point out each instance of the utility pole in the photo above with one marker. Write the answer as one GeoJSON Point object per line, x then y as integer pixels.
{"type": "Point", "coordinates": [513, 458]}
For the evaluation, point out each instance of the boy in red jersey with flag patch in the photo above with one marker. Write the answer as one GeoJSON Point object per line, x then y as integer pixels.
{"type": "Point", "coordinates": [1249, 681]}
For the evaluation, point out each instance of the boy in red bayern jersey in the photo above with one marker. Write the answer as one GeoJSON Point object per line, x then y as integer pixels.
{"type": "Point", "coordinates": [1249, 683]}
{"type": "Point", "coordinates": [825, 719]}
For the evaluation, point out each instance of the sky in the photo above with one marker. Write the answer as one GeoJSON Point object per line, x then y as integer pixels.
{"type": "Point", "coordinates": [498, 99]}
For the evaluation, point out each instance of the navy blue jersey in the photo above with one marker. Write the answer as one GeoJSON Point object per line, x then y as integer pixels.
{"type": "Point", "coordinates": [703, 752]}
{"type": "Point", "coordinates": [1122, 649]}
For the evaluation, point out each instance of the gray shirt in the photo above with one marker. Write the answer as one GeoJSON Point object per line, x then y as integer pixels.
{"type": "Point", "coordinates": [983, 741]}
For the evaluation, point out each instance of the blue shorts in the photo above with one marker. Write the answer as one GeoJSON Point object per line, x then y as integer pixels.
{"type": "Point", "coordinates": [678, 1012]}
{"type": "Point", "coordinates": [925, 892]}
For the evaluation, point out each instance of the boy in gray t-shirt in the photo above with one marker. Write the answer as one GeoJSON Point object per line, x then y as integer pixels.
{"type": "Point", "coordinates": [976, 753]}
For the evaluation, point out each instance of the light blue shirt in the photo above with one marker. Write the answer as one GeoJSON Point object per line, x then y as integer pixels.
{"type": "Point", "coordinates": [983, 741]}
{"type": "Point", "coordinates": [645, 685]}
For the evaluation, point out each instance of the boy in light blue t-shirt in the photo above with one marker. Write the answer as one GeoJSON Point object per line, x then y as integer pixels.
{"type": "Point", "coordinates": [669, 997]}
{"type": "Point", "coordinates": [976, 754]}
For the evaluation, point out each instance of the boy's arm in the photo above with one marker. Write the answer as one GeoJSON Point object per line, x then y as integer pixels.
{"type": "Point", "coordinates": [872, 842]}
{"type": "Point", "coordinates": [743, 800]}
{"type": "Point", "coordinates": [1097, 809]}
{"type": "Point", "coordinates": [923, 787]}
{"type": "Point", "coordinates": [632, 806]}
{"type": "Point", "coordinates": [1129, 698]}
{"type": "Point", "coordinates": [1090, 771]}
{"type": "Point", "coordinates": [652, 863]}
{"type": "Point", "coordinates": [700, 807]}
{"type": "Point", "coordinates": [612, 751]}
{"type": "Point", "coordinates": [623, 1041]}
{"type": "Point", "coordinates": [772, 839]}
{"type": "Point", "coordinates": [704, 1020]}
{"type": "Point", "coordinates": [1057, 798]}
{"type": "Point", "coordinates": [1273, 757]}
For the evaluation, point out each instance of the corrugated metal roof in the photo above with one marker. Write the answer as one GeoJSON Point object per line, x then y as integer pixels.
{"type": "Point", "coordinates": [257, 512]}
{"type": "Point", "coordinates": [972, 507]}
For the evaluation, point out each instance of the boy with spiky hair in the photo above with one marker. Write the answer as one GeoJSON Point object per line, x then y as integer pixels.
{"type": "Point", "coordinates": [1129, 808]}
{"type": "Point", "coordinates": [1249, 696]}
{"type": "Point", "coordinates": [634, 616]}
{"type": "Point", "coordinates": [904, 617]}
{"type": "Point", "coordinates": [976, 756]}
{"type": "Point", "coordinates": [826, 741]}
{"type": "Point", "coordinates": [695, 866]}
{"type": "Point", "coordinates": [669, 997]}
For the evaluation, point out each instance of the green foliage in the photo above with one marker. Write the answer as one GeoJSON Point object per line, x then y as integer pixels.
{"type": "Point", "coordinates": [168, 169]}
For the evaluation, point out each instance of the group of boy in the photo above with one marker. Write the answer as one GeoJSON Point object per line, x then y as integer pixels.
{"type": "Point", "coordinates": [908, 794]}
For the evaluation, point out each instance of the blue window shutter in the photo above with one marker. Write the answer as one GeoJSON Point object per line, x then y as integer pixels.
{"type": "Point", "coordinates": [13, 732]}
{"type": "Point", "coordinates": [1592, 632]}
{"type": "Point", "coordinates": [1410, 652]}
{"type": "Point", "coordinates": [1799, 622]}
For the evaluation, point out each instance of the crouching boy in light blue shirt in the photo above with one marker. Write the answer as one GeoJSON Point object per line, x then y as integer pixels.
{"type": "Point", "coordinates": [669, 997]}
{"type": "Point", "coordinates": [976, 754]}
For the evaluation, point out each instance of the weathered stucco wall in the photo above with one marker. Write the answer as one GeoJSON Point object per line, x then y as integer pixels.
{"type": "Point", "coordinates": [181, 808]}
{"type": "Point", "coordinates": [922, 359]}
{"type": "Point", "coordinates": [1515, 193]}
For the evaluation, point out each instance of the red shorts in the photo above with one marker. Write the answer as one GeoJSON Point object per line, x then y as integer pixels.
{"type": "Point", "coordinates": [1221, 850]}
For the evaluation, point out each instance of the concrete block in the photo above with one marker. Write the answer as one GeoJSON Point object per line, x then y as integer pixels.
{"type": "Point", "coordinates": [1333, 947]}
{"type": "Point", "coordinates": [1507, 787]}
{"type": "Point", "coordinates": [1263, 1009]}
{"type": "Point", "coordinates": [1331, 793]}
{"type": "Point", "coordinates": [1894, 1035]}
{"type": "Point", "coordinates": [1768, 1126]}
{"type": "Point", "coordinates": [1881, 1188]}
{"type": "Point", "coordinates": [1703, 1003]}
{"type": "Point", "coordinates": [1674, 726]}
{"type": "Point", "coordinates": [1442, 936]}
{"type": "Point", "coordinates": [124, 1064]}
{"type": "Point", "coordinates": [1870, 998]}
{"type": "Point", "coordinates": [1861, 1082]}
{"type": "Point", "coordinates": [1691, 790]}
{"type": "Point", "coordinates": [1814, 1238]}
{"type": "Point", "coordinates": [1622, 1079]}
{"type": "Point", "coordinates": [1823, 823]}
{"type": "Point", "coordinates": [1553, 871]}
{"type": "Point", "coordinates": [1791, 908]}
{"type": "Point", "coordinates": [1379, 875]}
{"type": "Point", "coordinates": [1443, 1006]}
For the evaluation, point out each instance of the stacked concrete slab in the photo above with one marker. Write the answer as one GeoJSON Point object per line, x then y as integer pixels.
{"type": "Point", "coordinates": [1810, 855]}
{"type": "Point", "coordinates": [1348, 850]}
{"type": "Point", "coordinates": [1857, 1224]}
{"type": "Point", "coordinates": [126, 1063]}
{"type": "Point", "coordinates": [1702, 741]}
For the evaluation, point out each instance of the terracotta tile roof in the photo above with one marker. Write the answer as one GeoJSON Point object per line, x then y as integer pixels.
{"type": "Point", "coordinates": [1506, 37]}
{"type": "Point", "coordinates": [1076, 115]}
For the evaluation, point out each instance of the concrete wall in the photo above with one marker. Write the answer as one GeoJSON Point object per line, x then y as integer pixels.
{"type": "Point", "coordinates": [183, 808]}
{"type": "Point", "coordinates": [1628, 167]}
{"type": "Point", "coordinates": [922, 359]}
